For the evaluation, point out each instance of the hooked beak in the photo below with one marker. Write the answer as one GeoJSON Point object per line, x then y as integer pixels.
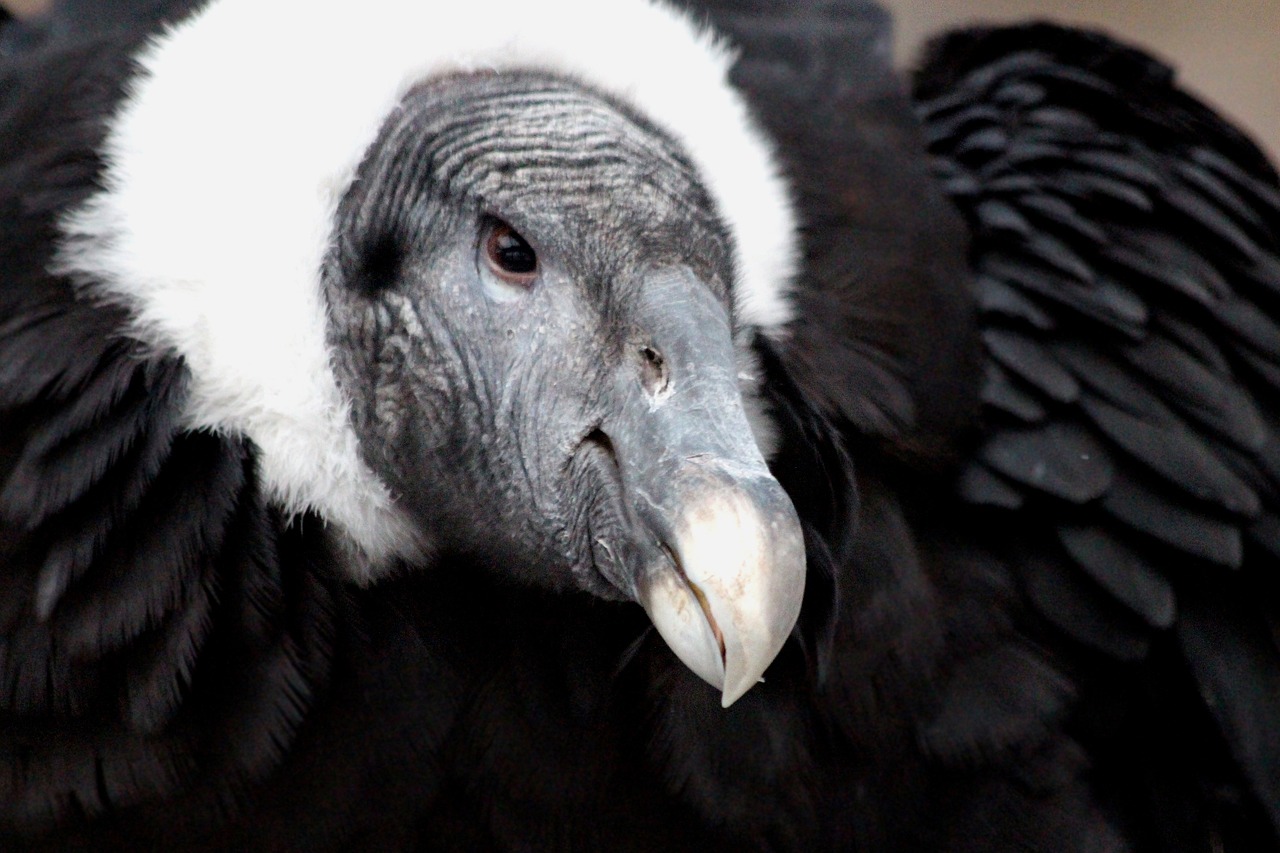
{"type": "Point", "coordinates": [718, 560]}
{"type": "Point", "coordinates": [728, 591]}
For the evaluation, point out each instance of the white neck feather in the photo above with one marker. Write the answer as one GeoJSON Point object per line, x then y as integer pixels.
{"type": "Point", "coordinates": [226, 161]}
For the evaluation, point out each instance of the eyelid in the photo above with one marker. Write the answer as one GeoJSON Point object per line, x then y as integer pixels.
{"type": "Point", "coordinates": [500, 281]}
{"type": "Point", "coordinates": [503, 240]}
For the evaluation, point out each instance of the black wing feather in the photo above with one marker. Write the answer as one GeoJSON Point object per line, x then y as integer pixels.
{"type": "Point", "coordinates": [1148, 277]}
{"type": "Point", "coordinates": [1003, 392]}
{"type": "Point", "coordinates": [1122, 571]}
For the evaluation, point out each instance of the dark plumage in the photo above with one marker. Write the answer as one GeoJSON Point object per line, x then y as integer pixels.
{"type": "Point", "coordinates": [1025, 413]}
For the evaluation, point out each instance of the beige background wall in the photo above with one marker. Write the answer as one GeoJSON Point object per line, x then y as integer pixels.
{"type": "Point", "coordinates": [1227, 50]}
{"type": "Point", "coordinates": [24, 7]}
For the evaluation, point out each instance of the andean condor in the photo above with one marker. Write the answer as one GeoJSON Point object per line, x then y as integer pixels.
{"type": "Point", "coordinates": [362, 367]}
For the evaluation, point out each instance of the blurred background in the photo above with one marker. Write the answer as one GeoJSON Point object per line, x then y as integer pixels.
{"type": "Point", "coordinates": [1227, 50]}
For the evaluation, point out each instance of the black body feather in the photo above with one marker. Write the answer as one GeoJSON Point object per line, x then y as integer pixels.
{"type": "Point", "coordinates": [1030, 432]}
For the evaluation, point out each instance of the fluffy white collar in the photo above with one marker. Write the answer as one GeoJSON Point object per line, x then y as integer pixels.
{"type": "Point", "coordinates": [226, 160]}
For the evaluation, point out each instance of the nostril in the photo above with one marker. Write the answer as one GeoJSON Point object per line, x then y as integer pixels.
{"type": "Point", "coordinates": [598, 442]}
{"type": "Point", "coordinates": [653, 371]}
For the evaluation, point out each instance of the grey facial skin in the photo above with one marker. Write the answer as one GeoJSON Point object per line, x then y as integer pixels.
{"type": "Point", "coordinates": [582, 427]}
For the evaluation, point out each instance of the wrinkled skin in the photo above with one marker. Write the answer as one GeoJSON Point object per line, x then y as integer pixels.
{"type": "Point", "coordinates": [579, 425]}
{"type": "Point", "coordinates": [462, 380]}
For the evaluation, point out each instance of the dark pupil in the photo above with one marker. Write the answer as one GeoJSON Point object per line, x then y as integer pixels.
{"type": "Point", "coordinates": [513, 254]}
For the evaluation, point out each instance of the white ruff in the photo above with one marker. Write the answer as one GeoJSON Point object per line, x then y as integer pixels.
{"type": "Point", "coordinates": [226, 161]}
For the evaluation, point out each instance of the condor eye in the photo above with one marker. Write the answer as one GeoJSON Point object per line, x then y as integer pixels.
{"type": "Point", "coordinates": [508, 255]}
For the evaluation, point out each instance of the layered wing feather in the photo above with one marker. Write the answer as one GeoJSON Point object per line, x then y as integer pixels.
{"type": "Point", "coordinates": [1127, 257]}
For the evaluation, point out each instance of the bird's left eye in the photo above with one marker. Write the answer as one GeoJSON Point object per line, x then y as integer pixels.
{"type": "Point", "coordinates": [509, 256]}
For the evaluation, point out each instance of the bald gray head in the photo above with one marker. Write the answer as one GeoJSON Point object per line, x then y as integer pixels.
{"type": "Point", "coordinates": [530, 311]}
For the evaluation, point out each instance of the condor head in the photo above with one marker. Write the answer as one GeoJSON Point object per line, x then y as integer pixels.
{"type": "Point", "coordinates": [487, 315]}
{"type": "Point", "coordinates": [530, 312]}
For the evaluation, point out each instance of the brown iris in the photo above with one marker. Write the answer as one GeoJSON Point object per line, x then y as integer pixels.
{"type": "Point", "coordinates": [509, 255]}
